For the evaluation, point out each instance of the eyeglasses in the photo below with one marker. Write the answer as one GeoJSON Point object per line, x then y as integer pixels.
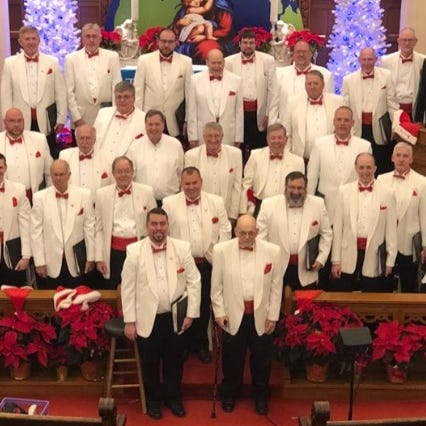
{"type": "Point", "coordinates": [166, 41]}
{"type": "Point", "coordinates": [407, 40]}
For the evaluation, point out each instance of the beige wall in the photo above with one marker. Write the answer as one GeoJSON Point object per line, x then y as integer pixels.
{"type": "Point", "coordinates": [413, 14]}
{"type": "Point", "coordinates": [4, 38]}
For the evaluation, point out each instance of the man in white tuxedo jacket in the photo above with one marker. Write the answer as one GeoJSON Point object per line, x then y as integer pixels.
{"type": "Point", "coordinates": [118, 126]}
{"type": "Point", "coordinates": [259, 86]}
{"type": "Point", "coordinates": [159, 270]}
{"type": "Point", "coordinates": [62, 217]}
{"type": "Point", "coordinates": [91, 74]}
{"type": "Point", "coordinates": [27, 152]}
{"type": "Point", "coordinates": [220, 166]}
{"type": "Point", "coordinates": [405, 67]}
{"type": "Point", "coordinates": [266, 169]}
{"type": "Point", "coordinates": [370, 93]}
{"type": "Point", "coordinates": [246, 300]}
{"type": "Point", "coordinates": [158, 158]}
{"type": "Point", "coordinates": [216, 95]}
{"type": "Point", "coordinates": [32, 82]}
{"type": "Point", "coordinates": [410, 194]}
{"type": "Point", "coordinates": [199, 218]}
{"type": "Point", "coordinates": [121, 210]}
{"type": "Point", "coordinates": [302, 218]}
{"type": "Point", "coordinates": [364, 232]}
{"type": "Point", "coordinates": [332, 159]}
{"type": "Point", "coordinates": [14, 226]}
{"type": "Point", "coordinates": [89, 169]}
{"type": "Point", "coordinates": [309, 115]}
{"type": "Point", "coordinates": [162, 80]}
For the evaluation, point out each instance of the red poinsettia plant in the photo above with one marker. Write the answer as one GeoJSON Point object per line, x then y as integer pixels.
{"type": "Point", "coordinates": [396, 344]}
{"type": "Point", "coordinates": [110, 39]}
{"type": "Point", "coordinates": [310, 333]}
{"type": "Point", "coordinates": [82, 333]}
{"type": "Point", "coordinates": [314, 40]}
{"type": "Point", "coordinates": [148, 41]}
{"type": "Point", "coordinates": [263, 38]}
{"type": "Point", "coordinates": [22, 337]}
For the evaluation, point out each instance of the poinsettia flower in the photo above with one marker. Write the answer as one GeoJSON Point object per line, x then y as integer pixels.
{"type": "Point", "coordinates": [10, 350]}
{"type": "Point", "coordinates": [39, 347]}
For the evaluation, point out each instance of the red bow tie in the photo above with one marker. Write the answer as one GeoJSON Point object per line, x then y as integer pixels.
{"type": "Point", "coordinates": [364, 77]}
{"type": "Point", "coordinates": [28, 59]}
{"type": "Point", "coordinates": [275, 156]}
{"type": "Point", "coordinates": [247, 61]}
{"type": "Point", "coordinates": [64, 196]}
{"type": "Point", "coordinates": [368, 188]}
{"type": "Point", "coordinates": [304, 72]}
{"type": "Point", "coordinates": [13, 141]}
{"type": "Point", "coordinates": [212, 77]}
{"type": "Point", "coordinates": [125, 192]}
{"type": "Point", "coordinates": [192, 202]}
{"type": "Point", "coordinates": [346, 142]}
{"type": "Point", "coordinates": [213, 155]}
{"type": "Point", "coordinates": [164, 59]}
{"type": "Point", "coordinates": [122, 116]}
{"type": "Point", "coordinates": [158, 250]}
{"type": "Point", "coordinates": [85, 157]}
{"type": "Point", "coordinates": [315, 102]}
{"type": "Point", "coordinates": [92, 54]}
{"type": "Point", "coordinates": [404, 60]}
{"type": "Point", "coordinates": [398, 176]}
{"type": "Point", "coordinates": [246, 248]}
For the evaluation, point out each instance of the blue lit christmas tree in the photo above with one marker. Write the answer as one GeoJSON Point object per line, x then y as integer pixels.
{"type": "Point", "coordinates": [55, 21]}
{"type": "Point", "coordinates": [358, 24]}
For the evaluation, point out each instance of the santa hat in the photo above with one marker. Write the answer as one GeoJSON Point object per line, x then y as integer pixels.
{"type": "Point", "coordinates": [62, 299]}
{"type": "Point", "coordinates": [404, 128]}
{"type": "Point", "coordinates": [85, 295]}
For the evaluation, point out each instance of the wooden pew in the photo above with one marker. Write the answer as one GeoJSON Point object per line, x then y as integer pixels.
{"type": "Point", "coordinates": [320, 416]}
{"type": "Point", "coordinates": [107, 417]}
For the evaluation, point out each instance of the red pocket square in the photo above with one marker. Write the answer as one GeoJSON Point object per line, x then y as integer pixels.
{"type": "Point", "coordinates": [180, 270]}
{"type": "Point", "coordinates": [104, 175]}
{"type": "Point", "coordinates": [80, 212]}
{"type": "Point", "coordinates": [414, 193]}
{"type": "Point", "coordinates": [232, 93]}
{"type": "Point", "coordinates": [314, 223]}
{"type": "Point", "coordinates": [37, 154]}
{"type": "Point", "coordinates": [49, 71]}
{"type": "Point", "coordinates": [138, 136]}
{"type": "Point", "coordinates": [268, 268]}
{"type": "Point", "coordinates": [215, 219]}
{"type": "Point", "coordinates": [14, 201]}
{"type": "Point", "coordinates": [383, 207]}
{"type": "Point", "coordinates": [231, 170]}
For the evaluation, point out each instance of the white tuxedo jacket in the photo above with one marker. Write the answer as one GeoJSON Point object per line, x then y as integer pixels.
{"type": "Point", "coordinates": [324, 175]}
{"type": "Point", "coordinates": [150, 93]}
{"type": "Point", "coordinates": [39, 159]}
{"type": "Point", "coordinates": [47, 241]}
{"type": "Point", "coordinates": [143, 201]}
{"type": "Point", "coordinates": [139, 290]}
{"type": "Point", "coordinates": [50, 89]}
{"type": "Point", "coordinates": [383, 95]}
{"type": "Point", "coordinates": [266, 83]}
{"type": "Point", "coordinates": [102, 173]}
{"type": "Point", "coordinates": [228, 170]}
{"type": "Point", "coordinates": [382, 228]}
{"type": "Point", "coordinates": [411, 208]}
{"type": "Point", "coordinates": [226, 287]}
{"type": "Point", "coordinates": [214, 221]}
{"type": "Point", "coordinates": [392, 62]}
{"type": "Point", "coordinates": [273, 227]}
{"type": "Point", "coordinates": [294, 120]}
{"type": "Point", "coordinates": [201, 109]}
{"type": "Point", "coordinates": [81, 103]}
{"type": "Point", "coordinates": [256, 173]}
{"type": "Point", "coordinates": [135, 129]}
{"type": "Point", "coordinates": [16, 219]}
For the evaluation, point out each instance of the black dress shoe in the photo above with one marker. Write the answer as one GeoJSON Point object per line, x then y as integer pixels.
{"type": "Point", "coordinates": [261, 406]}
{"type": "Point", "coordinates": [176, 408]}
{"type": "Point", "coordinates": [154, 411]}
{"type": "Point", "coordinates": [228, 404]}
{"type": "Point", "coordinates": [204, 356]}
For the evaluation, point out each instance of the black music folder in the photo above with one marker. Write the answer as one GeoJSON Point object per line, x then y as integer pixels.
{"type": "Point", "coordinates": [381, 259]}
{"type": "Point", "coordinates": [52, 115]}
{"type": "Point", "coordinates": [80, 256]}
{"type": "Point", "coordinates": [312, 250]}
{"type": "Point", "coordinates": [179, 308]}
{"type": "Point", "coordinates": [180, 116]}
{"type": "Point", "coordinates": [14, 251]}
{"type": "Point", "coordinates": [386, 126]}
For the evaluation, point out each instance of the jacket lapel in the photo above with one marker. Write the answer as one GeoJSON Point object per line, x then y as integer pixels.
{"type": "Point", "coordinates": [22, 73]}
{"type": "Point", "coordinates": [73, 208]}
{"type": "Point", "coordinates": [259, 278]}
{"type": "Point", "coordinates": [206, 221]}
{"type": "Point", "coordinates": [172, 260]}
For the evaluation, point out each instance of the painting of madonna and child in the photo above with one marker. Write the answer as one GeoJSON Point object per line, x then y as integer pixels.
{"type": "Point", "coordinates": [202, 25]}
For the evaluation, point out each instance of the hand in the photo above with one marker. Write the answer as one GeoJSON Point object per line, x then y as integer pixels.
{"type": "Point", "coordinates": [22, 264]}
{"type": "Point", "coordinates": [336, 270]}
{"type": "Point", "coordinates": [78, 123]}
{"type": "Point", "coordinates": [222, 322]}
{"type": "Point", "coordinates": [269, 326]}
{"type": "Point", "coordinates": [388, 270]}
{"type": "Point", "coordinates": [317, 266]}
{"type": "Point", "coordinates": [193, 144]}
{"type": "Point", "coordinates": [41, 271]}
{"type": "Point", "coordinates": [90, 265]}
{"type": "Point", "coordinates": [130, 331]}
{"type": "Point", "coordinates": [265, 122]}
{"type": "Point", "coordinates": [58, 127]}
{"type": "Point", "coordinates": [101, 267]}
{"type": "Point", "coordinates": [187, 322]}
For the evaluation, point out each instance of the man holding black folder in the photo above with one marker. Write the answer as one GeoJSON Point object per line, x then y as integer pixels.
{"type": "Point", "coordinates": [158, 271]}
{"type": "Point", "coordinates": [15, 246]}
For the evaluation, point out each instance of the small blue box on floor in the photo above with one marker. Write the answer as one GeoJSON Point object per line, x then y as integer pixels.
{"type": "Point", "coordinates": [23, 406]}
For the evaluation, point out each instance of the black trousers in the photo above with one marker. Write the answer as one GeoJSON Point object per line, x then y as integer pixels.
{"type": "Point", "coordinates": [11, 277]}
{"type": "Point", "coordinates": [253, 137]}
{"type": "Point", "coordinates": [234, 350]}
{"type": "Point", "coordinates": [64, 278]}
{"type": "Point", "coordinates": [407, 273]}
{"type": "Point", "coordinates": [291, 277]}
{"type": "Point", "coordinates": [162, 358]}
{"type": "Point", "coordinates": [197, 334]}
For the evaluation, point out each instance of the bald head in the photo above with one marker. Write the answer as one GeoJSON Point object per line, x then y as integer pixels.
{"type": "Point", "coordinates": [14, 122]}
{"type": "Point", "coordinates": [246, 231]}
{"type": "Point", "coordinates": [60, 174]}
{"type": "Point", "coordinates": [215, 62]}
